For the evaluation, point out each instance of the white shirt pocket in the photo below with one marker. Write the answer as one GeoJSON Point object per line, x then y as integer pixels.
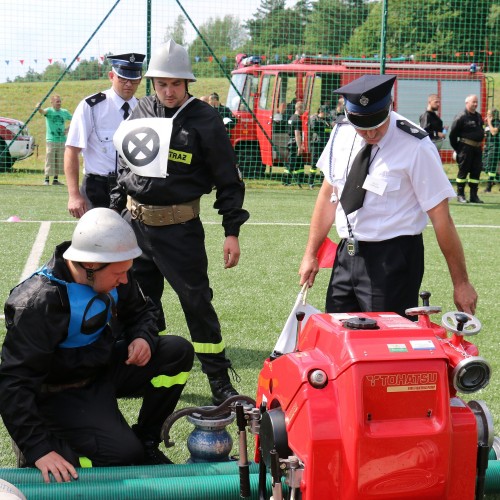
{"type": "Point", "coordinates": [383, 194]}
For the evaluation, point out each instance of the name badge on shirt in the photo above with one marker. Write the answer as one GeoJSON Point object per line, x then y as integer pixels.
{"type": "Point", "coordinates": [375, 185]}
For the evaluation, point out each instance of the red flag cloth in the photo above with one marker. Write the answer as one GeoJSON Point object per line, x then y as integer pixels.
{"type": "Point", "coordinates": [326, 253]}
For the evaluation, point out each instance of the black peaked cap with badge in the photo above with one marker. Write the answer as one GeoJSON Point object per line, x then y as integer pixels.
{"type": "Point", "coordinates": [127, 66]}
{"type": "Point", "coordinates": [368, 100]}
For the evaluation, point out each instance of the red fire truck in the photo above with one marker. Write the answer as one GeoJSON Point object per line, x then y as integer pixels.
{"type": "Point", "coordinates": [262, 99]}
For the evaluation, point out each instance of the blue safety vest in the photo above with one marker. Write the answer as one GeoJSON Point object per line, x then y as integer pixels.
{"type": "Point", "coordinates": [90, 312]}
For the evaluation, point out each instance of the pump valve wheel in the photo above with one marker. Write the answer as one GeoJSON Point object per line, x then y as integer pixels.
{"type": "Point", "coordinates": [461, 323]}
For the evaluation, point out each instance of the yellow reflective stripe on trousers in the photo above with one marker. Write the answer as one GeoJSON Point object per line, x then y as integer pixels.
{"type": "Point", "coordinates": [203, 348]}
{"type": "Point", "coordinates": [85, 463]}
{"type": "Point", "coordinates": [167, 381]}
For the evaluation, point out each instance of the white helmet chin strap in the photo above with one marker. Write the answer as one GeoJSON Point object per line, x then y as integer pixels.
{"type": "Point", "coordinates": [90, 272]}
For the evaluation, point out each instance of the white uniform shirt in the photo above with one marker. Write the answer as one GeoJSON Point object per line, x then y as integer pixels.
{"type": "Point", "coordinates": [92, 129]}
{"type": "Point", "coordinates": [406, 180]}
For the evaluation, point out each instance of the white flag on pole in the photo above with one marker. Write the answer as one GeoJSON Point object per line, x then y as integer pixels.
{"type": "Point", "coordinates": [288, 337]}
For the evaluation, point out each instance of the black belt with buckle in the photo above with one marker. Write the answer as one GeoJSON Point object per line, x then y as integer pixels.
{"type": "Point", "coordinates": [101, 178]}
{"type": "Point", "coordinates": [470, 142]}
{"type": "Point", "coordinates": [163, 215]}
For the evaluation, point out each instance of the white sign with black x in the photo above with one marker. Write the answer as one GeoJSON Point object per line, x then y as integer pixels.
{"type": "Point", "coordinates": [144, 145]}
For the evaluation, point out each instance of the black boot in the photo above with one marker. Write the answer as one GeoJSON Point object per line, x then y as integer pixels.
{"type": "Point", "coordinates": [474, 198]}
{"type": "Point", "coordinates": [461, 193]}
{"type": "Point", "coordinates": [221, 386]}
{"type": "Point", "coordinates": [489, 185]}
{"type": "Point", "coordinates": [285, 179]}
{"type": "Point", "coordinates": [311, 180]}
{"type": "Point", "coordinates": [153, 456]}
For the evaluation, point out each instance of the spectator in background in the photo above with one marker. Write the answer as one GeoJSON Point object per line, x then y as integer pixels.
{"type": "Point", "coordinates": [491, 154]}
{"type": "Point", "coordinates": [280, 125]}
{"type": "Point", "coordinates": [339, 110]}
{"type": "Point", "coordinates": [289, 110]}
{"type": "Point", "coordinates": [466, 138]}
{"type": "Point", "coordinates": [226, 114]}
{"type": "Point", "coordinates": [95, 121]}
{"type": "Point", "coordinates": [320, 127]}
{"type": "Point", "coordinates": [55, 121]}
{"type": "Point", "coordinates": [432, 123]}
{"type": "Point", "coordinates": [295, 164]}
{"type": "Point", "coordinates": [205, 98]}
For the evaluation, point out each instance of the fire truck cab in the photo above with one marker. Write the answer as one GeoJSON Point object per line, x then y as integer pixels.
{"type": "Point", "coordinates": [263, 97]}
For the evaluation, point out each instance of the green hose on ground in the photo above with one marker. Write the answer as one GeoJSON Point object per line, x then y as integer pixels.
{"type": "Point", "coordinates": [33, 476]}
{"type": "Point", "coordinates": [492, 482]}
{"type": "Point", "coordinates": [220, 487]}
{"type": "Point", "coordinates": [200, 481]}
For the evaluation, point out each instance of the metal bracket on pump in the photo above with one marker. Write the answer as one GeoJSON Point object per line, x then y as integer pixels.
{"type": "Point", "coordinates": [425, 308]}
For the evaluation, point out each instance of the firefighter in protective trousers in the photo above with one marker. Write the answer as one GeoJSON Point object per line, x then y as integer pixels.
{"type": "Point", "coordinates": [81, 334]}
{"type": "Point", "coordinates": [466, 138]}
{"type": "Point", "coordinates": [174, 149]}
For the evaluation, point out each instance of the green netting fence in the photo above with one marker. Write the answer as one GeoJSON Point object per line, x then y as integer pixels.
{"type": "Point", "coordinates": [260, 56]}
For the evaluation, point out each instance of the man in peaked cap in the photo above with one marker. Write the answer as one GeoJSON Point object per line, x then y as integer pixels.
{"type": "Point", "coordinates": [128, 66]}
{"type": "Point", "coordinates": [368, 100]}
{"type": "Point", "coordinates": [383, 178]}
{"type": "Point", "coordinates": [94, 122]}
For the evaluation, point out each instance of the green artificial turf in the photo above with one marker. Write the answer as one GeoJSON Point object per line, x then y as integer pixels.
{"type": "Point", "coordinates": [254, 299]}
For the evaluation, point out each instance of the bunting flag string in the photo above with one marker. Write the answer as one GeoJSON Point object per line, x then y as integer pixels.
{"type": "Point", "coordinates": [263, 58]}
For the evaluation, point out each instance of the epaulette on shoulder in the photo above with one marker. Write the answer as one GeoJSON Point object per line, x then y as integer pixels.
{"type": "Point", "coordinates": [95, 99]}
{"type": "Point", "coordinates": [341, 120]}
{"type": "Point", "coordinates": [411, 129]}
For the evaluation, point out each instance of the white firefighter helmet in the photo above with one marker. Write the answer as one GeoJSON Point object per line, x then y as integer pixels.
{"type": "Point", "coordinates": [170, 60]}
{"type": "Point", "coordinates": [101, 235]}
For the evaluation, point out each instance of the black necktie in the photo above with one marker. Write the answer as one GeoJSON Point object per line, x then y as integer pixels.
{"type": "Point", "coordinates": [126, 110]}
{"type": "Point", "coordinates": [353, 194]}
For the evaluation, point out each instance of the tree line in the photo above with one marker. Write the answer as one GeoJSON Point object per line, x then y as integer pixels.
{"type": "Point", "coordinates": [428, 30]}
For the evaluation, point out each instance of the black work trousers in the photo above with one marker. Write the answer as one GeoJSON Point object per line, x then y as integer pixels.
{"type": "Point", "coordinates": [97, 188]}
{"type": "Point", "coordinates": [470, 162]}
{"type": "Point", "coordinates": [87, 422]}
{"type": "Point", "coordinates": [384, 277]}
{"type": "Point", "coordinates": [295, 166]}
{"type": "Point", "coordinates": [177, 253]}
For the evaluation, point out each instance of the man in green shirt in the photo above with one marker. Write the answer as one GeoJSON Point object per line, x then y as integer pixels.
{"type": "Point", "coordinates": [55, 119]}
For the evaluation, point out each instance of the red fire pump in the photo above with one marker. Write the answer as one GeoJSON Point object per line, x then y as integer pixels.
{"type": "Point", "coordinates": [366, 407]}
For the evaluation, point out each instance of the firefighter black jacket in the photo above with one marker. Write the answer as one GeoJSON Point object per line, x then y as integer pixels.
{"type": "Point", "coordinates": [200, 157]}
{"type": "Point", "coordinates": [37, 315]}
{"type": "Point", "coordinates": [466, 126]}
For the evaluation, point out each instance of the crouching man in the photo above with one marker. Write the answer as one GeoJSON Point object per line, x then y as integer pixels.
{"type": "Point", "coordinates": [81, 334]}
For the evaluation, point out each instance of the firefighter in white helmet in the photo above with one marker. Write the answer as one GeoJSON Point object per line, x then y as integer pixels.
{"type": "Point", "coordinates": [80, 334]}
{"type": "Point", "coordinates": [174, 149]}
